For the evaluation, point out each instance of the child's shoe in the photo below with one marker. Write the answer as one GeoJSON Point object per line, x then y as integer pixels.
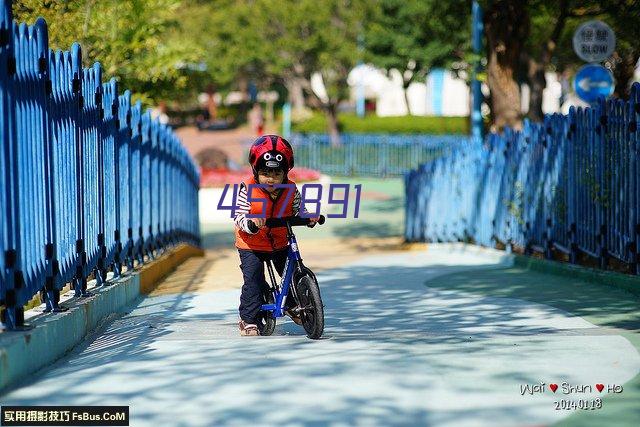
{"type": "Point", "coordinates": [248, 329]}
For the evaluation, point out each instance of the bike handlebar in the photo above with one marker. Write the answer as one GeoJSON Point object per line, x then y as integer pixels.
{"type": "Point", "coordinates": [294, 221]}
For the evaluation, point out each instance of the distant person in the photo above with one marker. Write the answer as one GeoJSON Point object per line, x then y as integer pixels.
{"type": "Point", "coordinates": [212, 108]}
{"type": "Point", "coordinates": [160, 112]}
{"type": "Point", "coordinates": [256, 119]}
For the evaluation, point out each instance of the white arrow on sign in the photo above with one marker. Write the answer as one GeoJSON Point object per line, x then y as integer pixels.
{"type": "Point", "coordinates": [587, 84]}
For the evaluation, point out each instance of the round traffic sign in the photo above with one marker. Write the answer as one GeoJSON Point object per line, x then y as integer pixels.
{"type": "Point", "coordinates": [593, 81]}
{"type": "Point", "coordinates": [594, 41]}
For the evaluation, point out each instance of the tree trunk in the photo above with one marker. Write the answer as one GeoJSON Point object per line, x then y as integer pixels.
{"type": "Point", "coordinates": [296, 95]}
{"type": "Point", "coordinates": [537, 84]}
{"type": "Point", "coordinates": [243, 108]}
{"type": "Point", "coordinates": [536, 68]}
{"type": "Point", "coordinates": [505, 97]}
{"type": "Point", "coordinates": [405, 89]}
{"type": "Point", "coordinates": [623, 73]}
{"type": "Point", "coordinates": [330, 111]}
{"type": "Point", "coordinates": [332, 124]}
{"type": "Point", "coordinates": [506, 27]}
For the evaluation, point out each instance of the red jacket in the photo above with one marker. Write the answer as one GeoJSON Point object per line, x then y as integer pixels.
{"type": "Point", "coordinates": [266, 239]}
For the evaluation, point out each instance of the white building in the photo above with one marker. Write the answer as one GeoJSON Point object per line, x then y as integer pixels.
{"type": "Point", "coordinates": [441, 94]}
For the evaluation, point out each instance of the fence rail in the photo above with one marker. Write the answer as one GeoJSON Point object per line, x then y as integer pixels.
{"type": "Point", "coordinates": [371, 155]}
{"type": "Point", "coordinates": [570, 185]}
{"type": "Point", "coordinates": [88, 181]}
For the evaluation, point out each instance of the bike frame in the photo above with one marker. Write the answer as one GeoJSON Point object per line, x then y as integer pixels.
{"type": "Point", "coordinates": [291, 264]}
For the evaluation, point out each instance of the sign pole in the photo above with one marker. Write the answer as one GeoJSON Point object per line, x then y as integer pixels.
{"type": "Point", "coordinates": [476, 91]}
{"type": "Point", "coordinates": [360, 87]}
{"type": "Point", "coordinates": [286, 120]}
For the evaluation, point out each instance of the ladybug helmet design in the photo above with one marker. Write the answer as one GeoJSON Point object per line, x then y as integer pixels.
{"type": "Point", "coordinates": [271, 151]}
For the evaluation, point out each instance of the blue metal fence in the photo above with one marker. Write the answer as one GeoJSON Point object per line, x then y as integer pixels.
{"type": "Point", "coordinates": [371, 155]}
{"type": "Point", "coordinates": [88, 182]}
{"type": "Point", "coordinates": [570, 184]}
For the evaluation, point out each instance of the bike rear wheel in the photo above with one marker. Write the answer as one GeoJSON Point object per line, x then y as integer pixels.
{"type": "Point", "coordinates": [266, 321]}
{"type": "Point", "coordinates": [312, 309]}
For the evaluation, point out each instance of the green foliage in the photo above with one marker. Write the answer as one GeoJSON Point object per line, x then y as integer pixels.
{"type": "Point", "coordinates": [515, 205]}
{"type": "Point", "coordinates": [623, 16]}
{"type": "Point", "coordinates": [274, 41]}
{"type": "Point", "coordinates": [280, 42]}
{"type": "Point", "coordinates": [136, 41]}
{"type": "Point", "coordinates": [66, 20]}
{"type": "Point", "coordinates": [350, 123]}
{"type": "Point", "coordinates": [416, 35]}
{"type": "Point", "coordinates": [229, 33]}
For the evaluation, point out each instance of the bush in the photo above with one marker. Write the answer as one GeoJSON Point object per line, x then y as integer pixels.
{"type": "Point", "coordinates": [212, 158]}
{"type": "Point", "coordinates": [350, 123]}
{"type": "Point", "coordinates": [186, 117]}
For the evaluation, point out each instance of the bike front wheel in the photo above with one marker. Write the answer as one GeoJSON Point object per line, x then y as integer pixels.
{"type": "Point", "coordinates": [312, 308]}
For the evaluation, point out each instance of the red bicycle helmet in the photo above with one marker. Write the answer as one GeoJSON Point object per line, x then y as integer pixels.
{"type": "Point", "coordinates": [271, 151]}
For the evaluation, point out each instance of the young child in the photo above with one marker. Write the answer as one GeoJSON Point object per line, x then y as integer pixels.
{"type": "Point", "coordinates": [271, 158]}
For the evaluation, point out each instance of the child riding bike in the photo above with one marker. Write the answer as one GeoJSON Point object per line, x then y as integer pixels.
{"type": "Point", "coordinates": [271, 158]}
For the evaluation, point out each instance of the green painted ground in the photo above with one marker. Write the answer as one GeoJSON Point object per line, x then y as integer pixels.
{"type": "Point", "coordinates": [376, 218]}
{"type": "Point", "coordinates": [601, 305]}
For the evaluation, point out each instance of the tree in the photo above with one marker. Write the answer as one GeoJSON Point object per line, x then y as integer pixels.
{"type": "Point", "coordinates": [413, 36]}
{"type": "Point", "coordinates": [549, 46]}
{"type": "Point", "coordinates": [287, 42]}
{"type": "Point", "coordinates": [548, 22]}
{"type": "Point", "coordinates": [136, 41]}
{"type": "Point", "coordinates": [623, 16]}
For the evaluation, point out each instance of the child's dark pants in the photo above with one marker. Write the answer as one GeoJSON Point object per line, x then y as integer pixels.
{"type": "Point", "coordinates": [252, 266]}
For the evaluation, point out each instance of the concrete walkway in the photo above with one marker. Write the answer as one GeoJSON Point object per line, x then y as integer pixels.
{"type": "Point", "coordinates": [446, 336]}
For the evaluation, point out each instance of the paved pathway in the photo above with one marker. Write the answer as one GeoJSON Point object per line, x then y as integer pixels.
{"type": "Point", "coordinates": [434, 336]}
{"type": "Point", "coordinates": [395, 352]}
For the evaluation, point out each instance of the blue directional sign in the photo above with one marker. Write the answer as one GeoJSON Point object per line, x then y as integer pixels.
{"type": "Point", "coordinates": [593, 81]}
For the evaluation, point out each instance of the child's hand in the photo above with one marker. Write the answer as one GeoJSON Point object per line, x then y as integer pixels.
{"type": "Point", "coordinates": [259, 222]}
{"type": "Point", "coordinates": [312, 222]}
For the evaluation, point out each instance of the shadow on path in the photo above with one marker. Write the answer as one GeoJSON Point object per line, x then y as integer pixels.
{"type": "Point", "coordinates": [395, 353]}
{"type": "Point", "coordinates": [601, 305]}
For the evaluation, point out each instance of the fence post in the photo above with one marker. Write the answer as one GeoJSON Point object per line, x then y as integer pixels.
{"type": "Point", "coordinates": [635, 180]}
{"type": "Point", "coordinates": [6, 58]}
{"type": "Point", "coordinates": [547, 144]}
{"type": "Point", "coordinates": [351, 157]}
{"type": "Point", "coordinates": [153, 188]}
{"type": "Point", "coordinates": [601, 126]}
{"type": "Point", "coordinates": [147, 207]}
{"type": "Point", "coordinates": [49, 293]}
{"type": "Point", "coordinates": [571, 185]}
{"type": "Point", "coordinates": [162, 186]}
{"type": "Point", "coordinates": [385, 158]}
{"type": "Point", "coordinates": [124, 182]}
{"type": "Point", "coordinates": [79, 280]}
{"type": "Point", "coordinates": [12, 315]}
{"type": "Point", "coordinates": [476, 92]}
{"type": "Point", "coordinates": [313, 152]}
